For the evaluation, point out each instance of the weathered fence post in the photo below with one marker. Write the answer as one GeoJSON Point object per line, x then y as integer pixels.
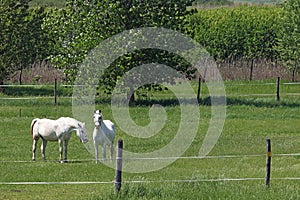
{"type": "Point", "coordinates": [55, 89]}
{"type": "Point", "coordinates": [268, 162]}
{"type": "Point", "coordinates": [199, 89]}
{"type": "Point", "coordinates": [118, 177]}
{"type": "Point", "coordinates": [277, 89]}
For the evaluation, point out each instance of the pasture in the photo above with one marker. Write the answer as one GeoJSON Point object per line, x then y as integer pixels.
{"type": "Point", "coordinates": [234, 169]}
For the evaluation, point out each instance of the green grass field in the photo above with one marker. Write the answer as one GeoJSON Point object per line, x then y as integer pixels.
{"type": "Point", "coordinates": [250, 120]}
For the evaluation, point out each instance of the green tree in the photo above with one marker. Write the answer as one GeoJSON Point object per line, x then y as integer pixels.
{"type": "Point", "coordinates": [169, 14]}
{"type": "Point", "coordinates": [73, 31]}
{"type": "Point", "coordinates": [13, 35]}
{"type": "Point", "coordinates": [238, 33]}
{"type": "Point", "coordinates": [81, 25]}
{"type": "Point", "coordinates": [289, 39]}
{"type": "Point", "coordinates": [21, 36]}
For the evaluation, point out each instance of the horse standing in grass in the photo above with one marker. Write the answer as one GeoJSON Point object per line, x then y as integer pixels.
{"type": "Point", "coordinates": [56, 130]}
{"type": "Point", "coordinates": [103, 134]}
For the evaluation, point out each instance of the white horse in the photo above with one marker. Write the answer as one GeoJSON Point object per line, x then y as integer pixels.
{"type": "Point", "coordinates": [103, 134]}
{"type": "Point", "coordinates": [56, 130]}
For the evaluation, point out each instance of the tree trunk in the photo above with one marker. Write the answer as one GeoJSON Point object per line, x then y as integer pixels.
{"type": "Point", "coordinates": [128, 5]}
{"type": "Point", "coordinates": [20, 76]}
{"type": "Point", "coordinates": [294, 72]}
{"type": "Point", "coordinates": [199, 89]}
{"type": "Point", "coordinates": [251, 70]}
{"type": "Point", "coordinates": [1, 85]}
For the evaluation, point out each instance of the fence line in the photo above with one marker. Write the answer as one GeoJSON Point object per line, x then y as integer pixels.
{"type": "Point", "coordinates": [278, 93]}
{"type": "Point", "coordinates": [28, 98]}
{"type": "Point", "coordinates": [164, 158]}
{"type": "Point", "coordinates": [160, 181]}
{"type": "Point", "coordinates": [53, 183]}
{"type": "Point", "coordinates": [133, 181]}
{"type": "Point", "coordinates": [150, 181]}
{"type": "Point", "coordinates": [232, 95]}
{"type": "Point", "coordinates": [226, 84]}
{"type": "Point", "coordinates": [43, 85]}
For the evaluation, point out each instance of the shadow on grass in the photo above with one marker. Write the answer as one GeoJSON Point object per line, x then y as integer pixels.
{"type": "Point", "coordinates": [21, 91]}
{"type": "Point", "coordinates": [47, 91]}
{"type": "Point", "coordinates": [257, 102]}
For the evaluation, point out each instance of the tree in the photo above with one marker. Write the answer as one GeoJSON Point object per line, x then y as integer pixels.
{"type": "Point", "coordinates": [169, 14]}
{"type": "Point", "coordinates": [12, 30]}
{"type": "Point", "coordinates": [82, 25]}
{"type": "Point", "coordinates": [21, 37]}
{"type": "Point", "coordinates": [289, 39]}
{"type": "Point", "coordinates": [73, 31]}
{"type": "Point", "coordinates": [238, 33]}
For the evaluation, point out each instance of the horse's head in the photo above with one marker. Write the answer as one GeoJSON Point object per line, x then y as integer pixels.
{"type": "Point", "coordinates": [82, 133]}
{"type": "Point", "coordinates": [97, 118]}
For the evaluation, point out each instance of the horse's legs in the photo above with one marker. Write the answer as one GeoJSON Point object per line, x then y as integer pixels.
{"type": "Point", "coordinates": [43, 148]}
{"type": "Point", "coordinates": [35, 141]}
{"type": "Point", "coordinates": [96, 151]}
{"type": "Point", "coordinates": [104, 152]}
{"type": "Point", "coordinates": [60, 142]}
{"type": "Point", "coordinates": [111, 151]}
{"type": "Point", "coordinates": [66, 150]}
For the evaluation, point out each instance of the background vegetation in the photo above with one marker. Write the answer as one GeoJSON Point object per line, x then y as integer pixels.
{"type": "Point", "coordinates": [242, 36]}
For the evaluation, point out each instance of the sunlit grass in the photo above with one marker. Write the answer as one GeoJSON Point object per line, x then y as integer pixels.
{"type": "Point", "coordinates": [249, 122]}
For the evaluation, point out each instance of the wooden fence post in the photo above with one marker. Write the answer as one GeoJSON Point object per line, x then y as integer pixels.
{"type": "Point", "coordinates": [55, 89]}
{"type": "Point", "coordinates": [277, 89]}
{"type": "Point", "coordinates": [199, 89]}
{"type": "Point", "coordinates": [118, 177]}
{"type": "Point", "coordinates": [268, 162]}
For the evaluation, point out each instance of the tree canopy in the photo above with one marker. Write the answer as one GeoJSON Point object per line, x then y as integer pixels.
{"type": "Point", "coordinates": [289, 40]}
{"type": "Point", "coordinates": [82, 25]}
{"type": "Point", "coordinates": [22, 39]}
{"type": "Point", "coordinates": [65, 35]}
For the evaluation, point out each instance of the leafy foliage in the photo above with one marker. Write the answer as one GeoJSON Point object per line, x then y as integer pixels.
{"type": "Point", "coordinates": [13, 36]}
{"type": "Point", "coordinates": [232, 33]}
{"type": "Point", "coordinates": [289, 40]}
{"type": "Point", "coordinates": [81, 26]}
{"type": "Point", "coordinates": [22, 40]}
{"type": "Point", "coordinates": [65, 34]}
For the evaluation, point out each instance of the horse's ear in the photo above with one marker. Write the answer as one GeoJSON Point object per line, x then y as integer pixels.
{"type": "Point", "coordinates": [97, 111]}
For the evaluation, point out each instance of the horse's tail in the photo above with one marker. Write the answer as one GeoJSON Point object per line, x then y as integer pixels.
{"type": "Point", "coordinates": [32, 125]}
